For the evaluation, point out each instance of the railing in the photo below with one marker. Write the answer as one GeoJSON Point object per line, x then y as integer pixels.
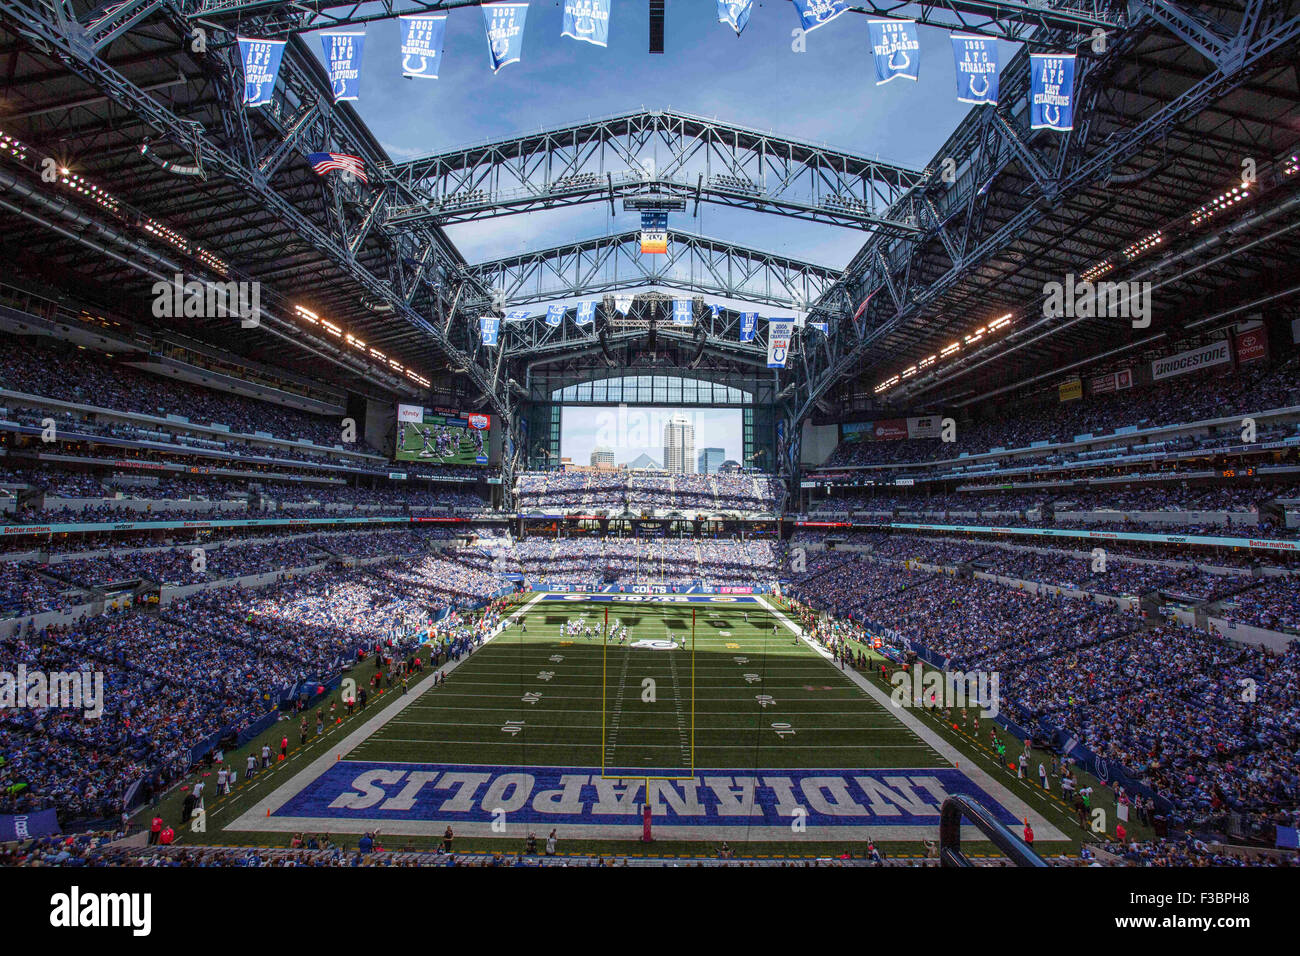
{"type": "Point", "coordinates": [954, 809]}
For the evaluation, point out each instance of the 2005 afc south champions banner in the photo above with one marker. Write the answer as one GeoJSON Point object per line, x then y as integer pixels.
{"type": "Point", "coordinates": [489, 326]}
{"type": "Point", "coordinates": [818, 13]}
{"type": "Point", "coordinates": [261, 59]}
{"type": "Point", "coordinates": [748, 323]}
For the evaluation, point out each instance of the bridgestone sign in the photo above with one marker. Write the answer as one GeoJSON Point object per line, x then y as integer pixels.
{"type": "Point", "coordinates": [1219, 353]}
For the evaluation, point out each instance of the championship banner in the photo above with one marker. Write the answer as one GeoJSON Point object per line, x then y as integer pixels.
{"type": "Point", "coordinates": [422, 38]}
{"type": "Point", "coordinates": [1192, 360]}
{"type": "Point", "coordinates": [504, 23]}
{"type": "Point", "coordinates": [735, 13]}
{"type": "Point", "coordinates": [517, 315]}
{"type": "Point", "coordinates": [586, 313]}
{"type": "Point", "coordinates": [977, 68]}
{"type": "Point", "coordinates": [683, 312]}
{"type": "Point", "coordinates": [623, 304]}
{"type": "Point", "coordinates": [1051, 91]}
{"type": "Point", "coordinates": [343, 60]}
{"type": "Point", "coordinates": [587, 20]}
{"type": "Point", "coordinates": [778, 341]}
{"type": "Point", "coordinates": [896, 49]}
{"type": "Point", "coordinates": [554, 315]}
{"type": "Point", "coordinates": [715, 310]}
{"type": "Point", "coordinates": [823, 327]}
{"type": "Point", "coordinates": [489, 326]}
{"type": "Point", "coordinates": [261, 60]}
{"type": "Point", "coordinates": [818, 13]}
{"type": "Point", "coordinates": [748, 324]}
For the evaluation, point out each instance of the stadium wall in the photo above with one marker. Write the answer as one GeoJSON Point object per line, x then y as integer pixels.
{"type": "Point", "coordinates": [1276, 641]}
{"type": "Point", "coordinates": [12, 626]}
{"type": "Point", "coordinates": [169, 594]}
{"type": "Point", "coordinates": [1034, 587]}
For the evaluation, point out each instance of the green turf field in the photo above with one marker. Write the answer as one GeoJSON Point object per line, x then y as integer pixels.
{"type": "Point", "coordinates": [742, 698]}
{"type": "Point", "coordinates": [734, 702]}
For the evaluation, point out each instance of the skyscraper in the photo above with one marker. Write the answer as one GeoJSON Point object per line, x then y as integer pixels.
{"type": "Point", "coordinates": [602, 457]}
{"type": "Point", "coordinates": [679, 445]}
{"type": "Point", "coordinates": [710, 460]}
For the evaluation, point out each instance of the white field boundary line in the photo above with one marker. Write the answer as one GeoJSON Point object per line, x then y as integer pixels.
{"type": "Point", "coordinates": [258, 819]}
{"type": "Point", "coordinates": [256, 816]}
{"type": "Point", "coordinates": [1043, 829]}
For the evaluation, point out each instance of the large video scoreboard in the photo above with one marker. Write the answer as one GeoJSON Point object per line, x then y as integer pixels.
{"type": "Point", "coordinates": [443, 436]}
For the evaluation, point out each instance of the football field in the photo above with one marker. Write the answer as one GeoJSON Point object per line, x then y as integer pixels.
{"type": "Point", "coordinates": [708, 709]}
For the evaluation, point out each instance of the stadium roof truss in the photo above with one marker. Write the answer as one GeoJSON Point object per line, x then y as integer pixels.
{"type": "Point", "coordinates": [648, 319]}
{"type": "Point", "coordinates": [655, 154]}
{"type": "Point", "coordinates": [257, 205]}
{"type": "Point", "coordinates": [695, 264]}
{"type": "Point", "coordinates": [1016, 20]}
{"type": "Point", "coordinates": [1167, 111]}
{"type": "Point", "coordinates": [1166, 117]}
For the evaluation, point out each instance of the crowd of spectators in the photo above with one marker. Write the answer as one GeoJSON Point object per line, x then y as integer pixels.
{"type": "Point", "coordinates": [638, 490]}
{"type": "Point", "coordinates": [681, 562]}
{"type": "Point", "coordinates": [40, 366]}
{"type": "Point", "coordinates": [25, 590]}
{"type": "Point", "coordinates": [116, 499]}
{"type": "Point", "coordinates": [206, 665]}
{"type": "Point", "coordinates": [1166, 702]}
{"type": "Point", "coordinates": [1273, 605]}
{"type": "Point", "coordinates": [1173, 402]}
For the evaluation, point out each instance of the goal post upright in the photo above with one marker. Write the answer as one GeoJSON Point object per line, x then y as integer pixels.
{"type": "Point", "coordinates": [692, 692]}
{"type": "Point", "coordinates": [604, 687]}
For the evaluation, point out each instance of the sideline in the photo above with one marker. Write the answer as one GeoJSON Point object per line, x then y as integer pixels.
{"type": "Point", "coordinates": [1043, 829]}
{"type": "Point", "coordinates": [257, 816]}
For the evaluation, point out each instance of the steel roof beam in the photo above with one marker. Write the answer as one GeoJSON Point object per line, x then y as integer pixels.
{"type": "Point", "coordinates": [706, 266]}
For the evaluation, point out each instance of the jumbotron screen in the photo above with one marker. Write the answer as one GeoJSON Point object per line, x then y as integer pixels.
{"type": "Point", "coordinates": [443, 436]}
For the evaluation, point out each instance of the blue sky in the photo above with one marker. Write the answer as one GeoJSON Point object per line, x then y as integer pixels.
{"type": "Point", "coordinates": [824, 95]}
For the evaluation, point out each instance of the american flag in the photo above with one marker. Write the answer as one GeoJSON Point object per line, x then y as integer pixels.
{"type": "Point", "coordinates": [328, 162]}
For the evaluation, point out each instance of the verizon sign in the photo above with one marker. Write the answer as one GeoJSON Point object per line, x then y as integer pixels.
{"type": "Point", "coordinates": [1220, 353]}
